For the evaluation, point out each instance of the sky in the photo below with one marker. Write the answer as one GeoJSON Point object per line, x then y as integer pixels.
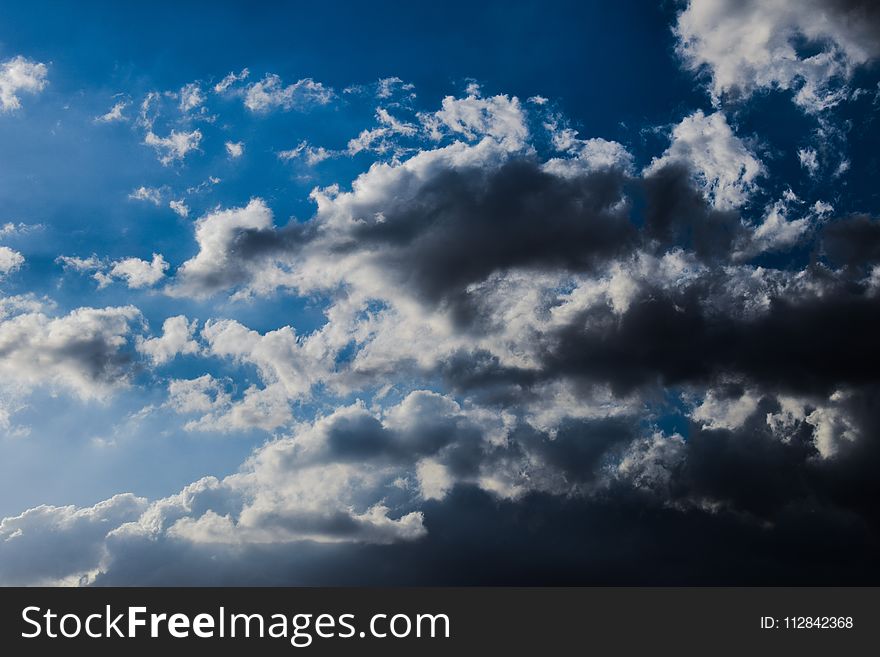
{"type": "Point", "coordinates": [393, 293]}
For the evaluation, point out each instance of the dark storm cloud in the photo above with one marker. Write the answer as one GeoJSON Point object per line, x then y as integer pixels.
{"type": "Point", "coordinates": [853, 242]}
{"type": "Point", "coordinates": [811, 345]}
{"type": "Point", "coordinates": [860, 16]}
{"type": "Point", "coordinates": [463, 225]}
{"type": "Point", "coordinates": [677, 214]}
{"type": "Point", "coordinates": [362, 436]}
{"type": "Point", "coordinates": [741, 507]}
{"type": "Point", "coordinates": [474, 539]}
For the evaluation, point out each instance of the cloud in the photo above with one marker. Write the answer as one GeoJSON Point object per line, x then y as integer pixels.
{"type": "Point", "coordinates": [304, 507]}
{"type": "Point", "coordinates": [853, 241]}
{"type": "Point", "coordinates": [754, 45]}
{"type": "Point", "coordinates": [10, 261]}
{"type": "Point", "coordinates": [114, 114]}
{"type": "Point", "coordinates": [84, 351]}
{"type": "Point", "coordinates": [719, 161]}
{"type": "Point", "coordinates": [51, 546]}
{"type": "Point", "coordinates": [311, 154]}
{"type": "Point", "coordinates": [191, 97]}
{"type": "Point", "coordinates": [149, 194]}
{"type": "Point", "coordinates": [225, 239]}
{"type": "Point", "coordinates": [270, 93]}
{"type": "Point", "coordinates": [175, 146]}
{"type": "Point", "coordinates": [511, 347]}
{"type": "Point", "coordinates": [180, 208]}
{"type": "Point", "coordinates": [473, 117]}
{"type": "Point", "coordinates": [809, 160]}
{"type": "Point", "coordinates": [389, 87]}
{"type": "Point", "coordinates": [139, 273]}
{"type": "Point", "coordinates": [20, 75]}
{"type": "Point", "coordinates": [135, 272]}
{"type": "Point", "coordinates": [234, 149]}
{"type": "Point", "coordinates": [10, 229]}
{"type": "Point", "coordinates": [177, 338]}
{"type": "Point", "coordinates": [230, 80]}
{"type": "Point", "coordinates": [382, 138]}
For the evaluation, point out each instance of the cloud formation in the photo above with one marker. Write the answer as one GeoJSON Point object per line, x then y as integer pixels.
{"type": "Point", "coordinates": [20, 75]}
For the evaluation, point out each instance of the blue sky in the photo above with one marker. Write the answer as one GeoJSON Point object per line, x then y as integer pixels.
{"type": "Point", "coordinates": [405, 252]}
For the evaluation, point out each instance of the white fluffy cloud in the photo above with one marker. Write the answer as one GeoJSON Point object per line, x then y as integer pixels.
{"type": "Point", "coordinates": [20, 75]}
{"type": "Point", "coordinates": [177, 338]}
{"type": "Point", "coordinates": [720, 161]}
{"type": "Point", "coordinates": [473, 117]}
{"type": "Point", "coordinates": [216, 266]}
{"type": "Point", "coordinates": [83, 351]}
{"type": "Point", "coordinates": [750, 45]}
{"type": "Point", "coordinates": [139, 273]}
{"type": "Point", "coordinates": [10, 261]}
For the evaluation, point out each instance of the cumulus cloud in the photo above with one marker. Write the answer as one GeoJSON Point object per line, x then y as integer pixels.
{"type": "Point", "coordinates": [84, 351]}
{"type": "Point", "coordinates": [10, 261]}
{"type": "Point", "coordinates": [753, 45]}
{"type": "Point", "coordinates": [224, 237]}
{"type": "Point", "coordinates": [139, 273]}
{"type": "Point", "coordinates": [473, 117]}
{"type": "Point", "coordinates": [719, 160]}
{"type": "Point", "coordinates": [515, 333]}
{"type": "Point", "coordinates": [177, 338]}
{"type": "Point", "coordinates": [51, 546]}
{"type": "Point", "coordinates": [20, 75]}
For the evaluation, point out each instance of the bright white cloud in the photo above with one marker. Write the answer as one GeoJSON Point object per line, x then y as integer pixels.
{"type": "Point", "coordinates": [20, 75]}
{"type": "Point", "coordinates": [500, 117]}
{"type": "Point", "coordinates": [139, 273]}
{"type": "Point", "coordinates": [719, 160]}
{"type": "Point", "coordinates": [750, 45]}
{"type": "Point", "coordinates": [10, 261]}
{"type": "Point", "coordinates": [177, 338]}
